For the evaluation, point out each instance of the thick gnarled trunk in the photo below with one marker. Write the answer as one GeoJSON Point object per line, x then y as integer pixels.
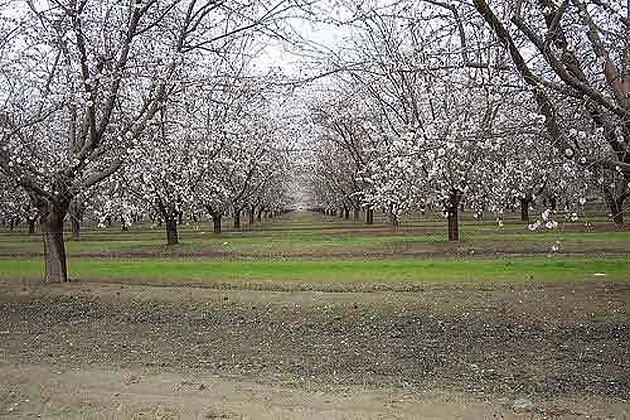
{"type": "Point", "coordinates": [51, 218]}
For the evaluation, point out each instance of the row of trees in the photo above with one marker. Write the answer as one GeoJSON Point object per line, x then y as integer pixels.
{"type": "Point", "coordinates": [126, 106]}
{"type": "Point", "coordinates": [433, 105]}
{"type": "Point", "coordinates": [122, 108]}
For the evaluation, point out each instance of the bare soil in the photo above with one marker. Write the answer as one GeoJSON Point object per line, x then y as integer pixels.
{"type": "Point", "coordinates": [94, 350]}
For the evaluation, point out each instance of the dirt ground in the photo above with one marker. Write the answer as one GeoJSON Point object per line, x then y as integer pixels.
{"type": "Point", "coordinates": [97, 350]}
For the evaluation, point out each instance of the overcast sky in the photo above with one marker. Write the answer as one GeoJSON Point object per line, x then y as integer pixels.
{"type": "Point", "coordinates": [319, 37]}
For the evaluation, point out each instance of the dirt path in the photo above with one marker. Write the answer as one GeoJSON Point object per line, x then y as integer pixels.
{"type": "Point", "coordinates": [31, 390]}
{"type": "Point", "coordinates": [132, 351]}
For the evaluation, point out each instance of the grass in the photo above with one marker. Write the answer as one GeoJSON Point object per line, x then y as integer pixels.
{"type": "Point", "coordinates": [617, 244]}
{"type": "Point", "coordinates": [308, 247]}
{"type": "Point", "coordinates": [406, 270]}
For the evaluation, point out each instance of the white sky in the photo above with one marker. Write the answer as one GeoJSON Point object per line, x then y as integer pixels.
{"type": "Point", "coordinates": [319, 37]}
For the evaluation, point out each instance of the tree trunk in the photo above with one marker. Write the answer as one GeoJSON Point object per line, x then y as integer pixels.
{"type": "Point", "coordinates": [259, 215]}
{"type": "Point", "coordinates": [216, 223]}
{"type": "Point", "coordinates": [31, 225]}
{"type": "Point", "coordinates": [346, 214]}
{"type": "Point", "coordinates": [453, 225]}
{"type": "Point", "coordinates": [237, 219]}
{"type": "Point", "coordinates": [76, 227]}
{"type": "Point", "coordinates": [171, 230]}
{"type": "Point", "coordinates": [452, 209]}
{"type": "Point", "coordinates": [369, 216]}
{"type": "Point", "coordinates": [252, 215]}
{"type": "Point", "coordinates": [525, 202]}
{"type": "Point", "coordinates": [616, 209]}
{"type": "Point", "coordinates": [356, 215]}
{"type": "Point", "coordinates": [51, 219]}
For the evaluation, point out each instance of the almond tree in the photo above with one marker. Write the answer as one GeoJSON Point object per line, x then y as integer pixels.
{"type": "Point", "coordinates": [248, 164]}
{"type": "Point", "coordinates": [444, 117]}
{"type": "Point", "coordinates": [82, 79]}
{"type": "Point", "coordinates": [15, 206]}
{"type": "Point", "coordinates": [573, 52]}
{"type": "Point", "coordinates": [168, 161]}
{"type": "Point", "coordinates": [346, 131]}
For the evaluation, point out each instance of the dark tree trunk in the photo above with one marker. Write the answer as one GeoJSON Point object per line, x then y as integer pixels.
{"type": "Point", "coordinates": [452, 209]}
{"type": "Point", "coordinates": [615, 206]}
{"type": "Point", "coordinates": [123, 224]}
{"type": "Point", "coordinates": [346, 214]}
{"type": "Point", "coordinates": [31, 225]}
{"type": "Point", "coordinates": [259, 215]}
{"type": "Point", "coordinates": [453, 224]}
{"type": "Point", "coordinates": [180, 217]}
{"type": "Point", "coordinates": [217, 217]}
{"type": "Point", "coordinates": [171, 230]}
{"type": "Point", "coordinates": [51, 217]}
{"type": "Point", "coordinates": [216, 223]}
{"type": "Point", "coordinates": [525, 202]}
{"type": "Point", "coordinates": [75, 212]}
{"type": "Point", "coordinates": [76, 227]}
{"type": "Point", "coordinates": [252, 215]}
{"type": "Point", "coordinates": [356, 216]}
{"type": "Point", "coordinates": [237, 219]}
{"type": "Point", "coordinates": [369, 216]}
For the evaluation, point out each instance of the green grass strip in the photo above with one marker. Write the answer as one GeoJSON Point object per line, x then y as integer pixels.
{"type": "Point", "coordinates": [477, 270]}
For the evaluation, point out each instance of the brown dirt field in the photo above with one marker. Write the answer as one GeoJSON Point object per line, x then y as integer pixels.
{"type": "Point", "coordinates": [97, 350]}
